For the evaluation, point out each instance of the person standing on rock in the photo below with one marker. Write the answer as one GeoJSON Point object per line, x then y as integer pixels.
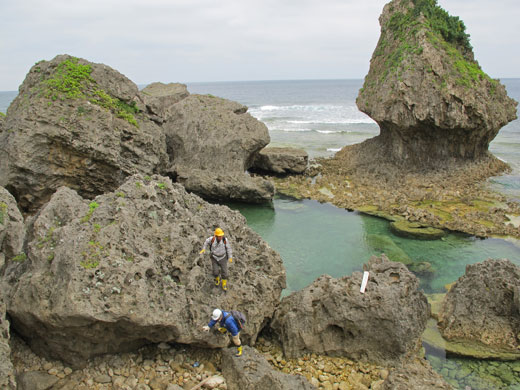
{"type": "Point", "coordinates": [227, 324]}
{"type": "Point", "coordinates": [220, 253]}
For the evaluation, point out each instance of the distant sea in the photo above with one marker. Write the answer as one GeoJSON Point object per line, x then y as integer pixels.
{"type": "Point", "coordinates": [321, 117]}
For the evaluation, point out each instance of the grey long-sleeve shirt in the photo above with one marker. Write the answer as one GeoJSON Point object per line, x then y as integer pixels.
{"type": "Point", "coordinates": [218, 249]}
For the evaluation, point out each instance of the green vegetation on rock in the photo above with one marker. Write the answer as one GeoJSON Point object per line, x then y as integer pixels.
{"type": "Point", "coordinates": [20, 258]}
{"type": "Point", "coordinates": [416, 230]}
{"type": "Point", "coordinates": [2, 114]}
{"type": "Point", "coordinates": [3, 212]}
{"type": "Point", "coordinates": [72, 80]}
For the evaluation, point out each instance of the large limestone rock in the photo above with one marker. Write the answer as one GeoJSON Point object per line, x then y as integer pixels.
{"type": "Point", "coordinates": [331, 316]}
{"type": "Point", "coordinates": [211, 143]}
{"type": "Point", "coordinates": [429, 96]}
{"type": "Point", "coordinates": [78, 124]}
{"type": "Point", "coordinates": [281, 160]}
{"type": "Point", "coordinates": [484, 306]}
{"type": "Point", "coordinates": [11, 228]}
{"type": "Point", "coordinates": [114, 273]}
{"type": "Point", "coordinates": [251, 371]}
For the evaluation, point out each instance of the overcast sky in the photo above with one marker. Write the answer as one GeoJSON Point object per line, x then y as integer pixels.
{"type": "Point", "coordinates": [228, 40]}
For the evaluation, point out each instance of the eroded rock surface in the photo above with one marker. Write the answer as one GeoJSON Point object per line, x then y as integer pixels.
{"type": "Point", "coordinates": [429, 96]}
{"type": "Point", "coordinates": [77, 124]}
{"type": "Point", "coordinates": [7, 377]}
{"type": "Point", "coordinates": [415, 374]}
{"type": "Point", "coordinates": [331, 316]}
{"type": "Point", "coordinates": [108, 275]}
{"type": "Point", "coordinates": [281, 160]}
{"type": "Point", "coordinates": [251, 371]}
{"type": "Point", "coordinates": [11, 228]}
{"type": "Point", "coordinates": [483, 306]}
{"type": "Point", "coordinates": [211, 142]}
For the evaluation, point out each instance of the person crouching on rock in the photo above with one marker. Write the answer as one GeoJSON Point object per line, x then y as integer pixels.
{"type": "Point", "coordinates": [227, 324]}
{"type": "Point", "coordinates": [220, 253]}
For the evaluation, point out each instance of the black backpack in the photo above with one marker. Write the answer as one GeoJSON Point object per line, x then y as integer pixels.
{"type": "Point", "coordinates": [238, 316]}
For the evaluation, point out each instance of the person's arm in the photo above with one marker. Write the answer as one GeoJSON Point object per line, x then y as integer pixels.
{"type": "Point", "coordinates": [206, 244]}
{"type": "Point", "coordinates": [209, 326]}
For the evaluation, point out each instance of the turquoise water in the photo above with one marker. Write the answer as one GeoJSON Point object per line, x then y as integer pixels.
{"type": "Point", "coordinates": [315, 239]}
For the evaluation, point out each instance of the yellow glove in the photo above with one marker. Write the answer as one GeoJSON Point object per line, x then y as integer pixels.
{"type": "Point", "coordinates": [222, 329]}
{"type": "Point", "coordinates": [202, 251]}
{"type": "Point", "coordinates": [230, 260]}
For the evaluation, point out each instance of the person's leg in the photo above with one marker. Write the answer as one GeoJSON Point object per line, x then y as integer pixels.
{"type": "Point", "coordinates": [216, 270]}
{"type": "Point", "coordinates": [236, 341]}
{"type": "Point", "coordinates": [224, 271]}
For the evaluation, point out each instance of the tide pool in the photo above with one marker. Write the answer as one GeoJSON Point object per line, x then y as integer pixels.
{"type": "Point", "coordinates": [315, 239]}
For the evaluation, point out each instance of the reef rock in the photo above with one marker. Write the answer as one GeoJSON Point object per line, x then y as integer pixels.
{"type": "Point", "coordinates": [211, 142]}
{"type": "Point", "coordinates": [251, 371]}
{"type": "Point", "coordinates": [331, 316]}
{"type": "Point", "coordinates": [281, 160]}
{"type": "Point", "coordinates": [7, 378]}
{"type": "Point", "coordinates": [11, 228]}
{"type": "Point", "coordinates": [124, 269]}
{"type": "Point", "coordinates": [429, 96]}
{"type": "Point", "coordinates": [417, 375]}
{"type": "Point", "coordinates": [483, 306]}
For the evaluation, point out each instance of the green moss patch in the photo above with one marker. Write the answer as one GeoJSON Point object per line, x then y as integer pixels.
{"type": "Point", "coordinates": [3, 212]}
{"type": "Point", "coordinates": [72, 80]}
{"type": "Point", "coordinates": [416, 230]}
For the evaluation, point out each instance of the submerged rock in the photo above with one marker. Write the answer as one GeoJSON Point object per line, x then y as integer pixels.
{"type": "Point", "coordinates": [483, 306]}
{"type": "Point", "coordinates": [416, 230]}
{"type": "Point", "coordinates": [123, 270]}
{"type": "Point", "coordinates": [331, 316]}
{"type": "Point", "coordinates": [428, 94]}
{"type": "Point", "coordinates": [281, 160]}
{"type": "Point", "coordinates": [252, 371]}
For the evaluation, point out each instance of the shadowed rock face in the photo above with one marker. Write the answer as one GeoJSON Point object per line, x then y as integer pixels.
{"type": "Point", "coordinates": [331, 316]}
{"type": "Point", "coordinates": [123, 270]}
{"type": "Point", "coordinates": [484, 306]}
{"type": "Point", "coordinates": [11, 228]}
{"type": "Point", "coordinates": [427, 93]}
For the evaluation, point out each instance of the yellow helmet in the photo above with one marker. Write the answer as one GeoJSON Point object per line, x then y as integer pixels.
{"type": "Point", "coordinates": [219, 232]}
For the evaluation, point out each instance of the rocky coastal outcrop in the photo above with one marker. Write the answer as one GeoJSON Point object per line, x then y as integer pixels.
{"type": "Point", "coordinates": [109, 275]}
{"type": "Point", "coordinates": [484, 306]}
{"type": "Point", "coordinates": [428, 94]}
{"type": "Point", "coordinates": [86, 126]}
{"type": "Point", "coordinates": [281, 160]}
{"type": "Point", "coordinates": [77, 124]}
{"type": "Point", "coordinates": [211, 142]}
{"type": "Point", "coordinates": [331, 316]}
{"type": "Point", "coordinates": [253, 372]}
{"type": "Point", "coordinates": [7, 376]}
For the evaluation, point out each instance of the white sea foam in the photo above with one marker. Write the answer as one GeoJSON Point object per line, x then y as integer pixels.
{"type": "Point", "coordinates": [333, 149]}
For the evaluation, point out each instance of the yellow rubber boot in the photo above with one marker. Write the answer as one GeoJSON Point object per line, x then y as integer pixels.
{"type": "Point", "coordinates": [217, 281]}
{"type": "Point", "coordinates": [239, 351]}
{"type": "Point", "coordinates": [224, 284]}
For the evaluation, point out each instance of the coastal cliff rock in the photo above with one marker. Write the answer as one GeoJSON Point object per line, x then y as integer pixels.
{"type": "Point", "coordinates": [211, 142]}
{"type": "Point", "coordinates": [429, 96]}
{"type": "Point", "coordinates": [252, 372]}
{"type": "Point", "coordinates": [281, 160]}
{"type": "Point", "coordinates": [77, 124]}
{"type": "Point", "coordinates": [11, 228]}
{"type": "Point", "coordinates": [124, 269]}
{"type": "Point", "coordinates": [484, 306]}
{"type": "Point", "coordinates": [332, 317]}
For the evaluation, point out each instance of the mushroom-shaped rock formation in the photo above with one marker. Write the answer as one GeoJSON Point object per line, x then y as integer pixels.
{"type": "Point", "coordinates": [426, 91]}
{"type": "Point", "coordinates": [331, 316]}
{"type": "Point", "coordinates": [111, 274]}
{"type": "Point", "coordinates": [77, 124]}
{"type": "Point", "coordinates": [211, 142]}
{"type": "Point", "coordinates": [484, 306]}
